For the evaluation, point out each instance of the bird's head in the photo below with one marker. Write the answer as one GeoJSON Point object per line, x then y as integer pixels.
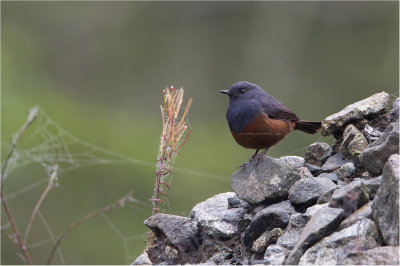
{"type": "Point", "coordinates": [242, 90]}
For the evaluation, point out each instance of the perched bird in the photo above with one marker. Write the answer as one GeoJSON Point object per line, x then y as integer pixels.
{"type": "Point", "coordinates": [257, 120]}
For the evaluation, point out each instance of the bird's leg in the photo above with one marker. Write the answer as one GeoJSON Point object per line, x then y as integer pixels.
{"type": "Point", "coordinates": [261, 155]}
{"type": "Point", "coordinates": [264, 152]}
{"type": "Point", "coordinates": [255, 154]}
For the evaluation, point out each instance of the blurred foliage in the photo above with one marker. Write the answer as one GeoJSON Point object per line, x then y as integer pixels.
{"type": "Point", "coordinates": [98, 68]}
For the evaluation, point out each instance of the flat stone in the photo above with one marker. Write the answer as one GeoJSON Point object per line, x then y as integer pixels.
{"type": "Point", "coordinates": [270, 180]}
{"type": "Point", "coordinates": [377, 256]}
{"type": "Point", "coordinates": [274, 216]}
{"type": "Point", "coordinates": [385, 206]}
{"type": "Point", "coordinates": [334, 162]}
{"type": "Point", "coordinates": [321, 224]}
{"type": "Point", "coordinates": [317, 153]}
{"type": "Point", "coordinates": [306, 192]}
{"type": "Point", "coordinates": [367, 108]}
{"type": "Point", "coordinates": [215, 218]}
{"type": "Point", "coordinates": [350, 197]}
{"type": "Point", "coordinates": [180, 231]}
{"type": "Point", "coordinates": [375, 156]}
{"type": "Point", "coordinates": [364, 233]}
{"type": "Point", "coordinates": [275, 255]}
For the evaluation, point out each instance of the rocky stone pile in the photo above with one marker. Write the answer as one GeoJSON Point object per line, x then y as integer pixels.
{"type": "Point", "coordinates": [337, 205]}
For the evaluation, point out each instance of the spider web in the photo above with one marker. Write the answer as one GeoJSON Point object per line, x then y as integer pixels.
{"type": "Point", "coordinates": [48, 144]}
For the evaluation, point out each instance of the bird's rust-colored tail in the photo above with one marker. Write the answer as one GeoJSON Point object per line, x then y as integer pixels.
{"type": "Point", "coordinates": [307, 126]}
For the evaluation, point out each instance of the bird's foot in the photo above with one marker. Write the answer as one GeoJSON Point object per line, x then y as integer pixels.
{"type": "Point", "coordinates": [259, 156]}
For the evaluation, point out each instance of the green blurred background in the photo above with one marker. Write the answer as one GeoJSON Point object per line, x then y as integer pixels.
{"type": "Point", "coordinates": [98, 69]}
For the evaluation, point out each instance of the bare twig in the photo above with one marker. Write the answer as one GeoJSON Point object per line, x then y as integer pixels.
{"type": "Point", "coordinates": [39, 203]}
{"type": "Point", "coordinates": [33, 113]}
{"type": "Point", "coordinates": [115, 205]}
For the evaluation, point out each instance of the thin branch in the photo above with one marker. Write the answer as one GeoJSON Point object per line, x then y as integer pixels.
{"type": "Point", "coordinates": [15, 229]}
{"type": "Point", "coordinates": [115, 205]}
{"type": "Point", "coordinates": [39, 203]}
{"type": "Point", "coordinates": [33, 113]}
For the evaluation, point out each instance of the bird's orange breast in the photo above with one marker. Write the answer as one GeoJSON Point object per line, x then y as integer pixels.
{"type": "Point", "coordinates": [263, 132]}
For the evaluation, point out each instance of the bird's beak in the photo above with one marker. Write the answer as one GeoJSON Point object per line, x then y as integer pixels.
{"type": "Point", "coordinates": [225, 92]}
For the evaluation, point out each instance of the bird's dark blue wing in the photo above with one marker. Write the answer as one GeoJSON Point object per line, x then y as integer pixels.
{"type": "Point", "coordinates": [274, 109]}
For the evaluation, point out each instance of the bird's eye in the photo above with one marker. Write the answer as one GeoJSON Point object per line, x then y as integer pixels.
{"type": "Point", "coordinates": [242, 90]}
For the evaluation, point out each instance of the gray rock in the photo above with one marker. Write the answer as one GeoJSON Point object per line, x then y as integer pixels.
{"type": "Point", "coordinates": [371, 134]}
{"type": "Point", "coordinates": [364, 212]}
{"type": "Point", "coordinates": [357, 145]}
{"type": "Point", "coordinates": [306, 192]}
{"type": "Point", "coordinates": [331, 176]}
{"type": "Point", "coordinates": [364, 234]}
{"type": "Point", "coordinates": [321, 224]}
{"type": "Point", "coordinates": [180, 231]}
{"type": "Point", "coordinates": [215, 218]}
{"type": "Point", "coordinates": [292, 161]}
{"type": "Point", "coordinates": [385, 206]}
{"type": "Point", "coordinates": [317, 153]}
{"type": "Point", "coordinates": [313, 209]}
{"type": "Point", "coordinates": [326, 197]}
{"type": "Point", "coordinates": [275, 255]}
{"type": "Point", "coordinates": [346, 171]}
{"type": "Point", "coordinates": [218, 258]}
{"type": "Point", "coordinates": [300, 173]}
{"type": "Point", "coordinates": [171, 254]}
{"type": "Point", "coordinates": [334, 162]}
{"type": "Point", "coordinates": [395, 103]}
{"type": "Point", "coordinates": [142, 260]}
{"type": "Point", "coordinates": [296, 223]}
{"type": "Point", "coordinates": [348, 135]}
{"type": "Point", "coordinates": [376, 256]}
{"type": "Point", "coordinates": [394, 113]}
{"type": "Point", "coordinates": [266, 239]}
{"type": "Point", "coordinates": [289, 239]}
{"type": "Point", "coordinates": [350, 197]}
{"type": "Point", "coordinates": [374, 158]}
{"type": "Point", "coordinates": [372, 184]}
{"type": "Point", "coordinates": [269, 181]}
{"type": "Point", "coordinates": [274, 216]}
{"type": "Point", "coordinates": [235, 202]}
{"type": "Point", "coordinates": [315, 170]}
{"type": "Point", "coordinates": [367, 108]}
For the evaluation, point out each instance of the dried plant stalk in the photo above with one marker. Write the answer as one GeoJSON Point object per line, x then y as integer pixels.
{"type": "Point", "coordinates": [174, 134]}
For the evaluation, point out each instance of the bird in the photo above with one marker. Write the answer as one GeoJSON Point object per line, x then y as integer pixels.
{"type": "Point", "coordinates": [257, 120]}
